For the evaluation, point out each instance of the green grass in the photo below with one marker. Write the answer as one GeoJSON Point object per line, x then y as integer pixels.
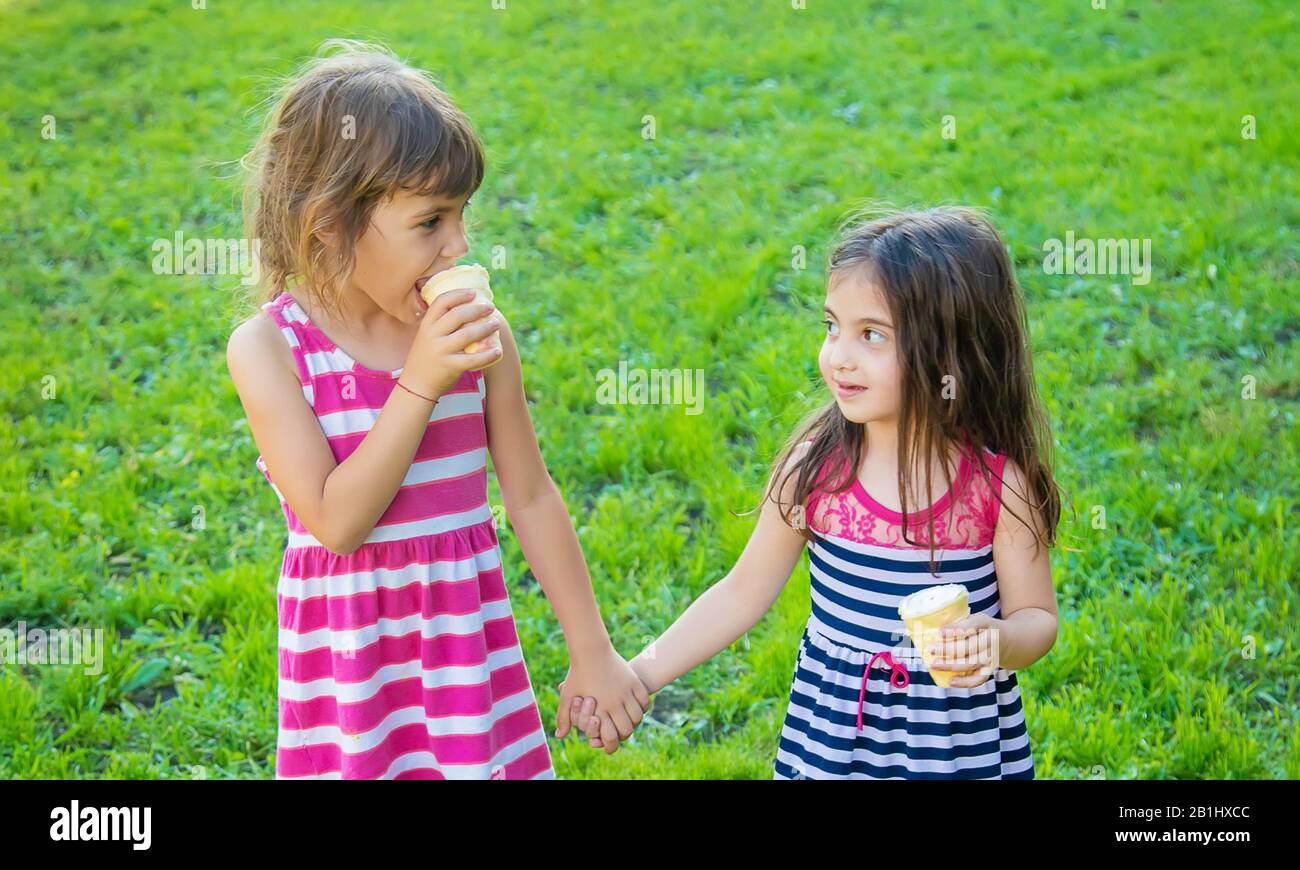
{"type": "Point", "coordinates": [675, 252]}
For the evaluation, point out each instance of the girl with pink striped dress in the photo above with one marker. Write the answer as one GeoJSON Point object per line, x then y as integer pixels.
{"type": "Point", "coordinates": [399, 656]}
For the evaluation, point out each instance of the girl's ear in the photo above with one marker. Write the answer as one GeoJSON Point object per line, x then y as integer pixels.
{"type": "Point", "coordinates": [328, 236]}
{"type": "Point", "coordinates": [326, 228]}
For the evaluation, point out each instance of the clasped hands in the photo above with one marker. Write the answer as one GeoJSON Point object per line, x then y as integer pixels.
{"type": "Point", "coordinates": [602, 696]}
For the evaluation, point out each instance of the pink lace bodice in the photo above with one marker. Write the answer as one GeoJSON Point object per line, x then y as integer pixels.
{"type": "Point", "coordinates": [964, 517]}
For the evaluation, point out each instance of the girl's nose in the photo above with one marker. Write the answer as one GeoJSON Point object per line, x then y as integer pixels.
{"type": "Point", "coordinates": [459, 246]}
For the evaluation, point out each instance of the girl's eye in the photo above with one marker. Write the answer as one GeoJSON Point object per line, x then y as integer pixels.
{"type": "Point", "coordinates": [880, 336]}
{"type": "Point", "coordinates": [432, 222]}
{"type": "Point", "coordinates": [829, 327]}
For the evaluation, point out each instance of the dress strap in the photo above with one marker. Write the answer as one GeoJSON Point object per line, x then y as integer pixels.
{"type": "Point", "coordinates": [290, 330]}
{"type": "Point", "coordinates": [997, 467]}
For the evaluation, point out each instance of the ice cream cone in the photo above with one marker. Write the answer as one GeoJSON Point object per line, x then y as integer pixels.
{"type": "Point", "coordinates": [469, 277]}
{"type": "Point", "coordinates": [929, 610]}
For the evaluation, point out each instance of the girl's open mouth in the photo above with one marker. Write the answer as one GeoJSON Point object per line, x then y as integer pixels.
{"type": "Point", "coordinates": [846, 392]}
{"type": "Point", "coordinates": [419, 300]}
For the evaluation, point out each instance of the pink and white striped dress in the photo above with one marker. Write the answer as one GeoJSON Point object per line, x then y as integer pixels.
{"type": "Point", "coordinates": [400, 660]}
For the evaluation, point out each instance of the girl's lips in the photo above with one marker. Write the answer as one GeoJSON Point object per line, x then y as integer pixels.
{"type": "Point", "coordinates": [849, 392]}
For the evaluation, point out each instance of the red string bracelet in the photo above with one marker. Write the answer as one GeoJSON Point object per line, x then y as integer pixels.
{"type": "Point", "coordinates": [414, 393]}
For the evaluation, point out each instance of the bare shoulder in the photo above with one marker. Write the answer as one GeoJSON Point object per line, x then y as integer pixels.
{"type": "Point", "coordinates": [507, 371]}
{"type": "Point", "coordinates": [799, 453]}
{"type": "Point", "coordinates": [784, 476]}
{"type": "Point", "coordinates": [255, 345]}
{"type": "Point", "coordinates": [1021, 502]}
{"type": "Point", "coordinates": [1013, 482]}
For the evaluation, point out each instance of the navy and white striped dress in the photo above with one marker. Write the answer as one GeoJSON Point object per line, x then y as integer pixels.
{"type": "Point", "coordinates": [861, 569]}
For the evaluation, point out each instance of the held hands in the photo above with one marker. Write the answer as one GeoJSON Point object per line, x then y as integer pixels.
{"type": "Point", "coordinates": [583, 714]}
{"type": "Point", "coordinates": [437, 358]}
{"type": "Point", "coordinates": [970, 646]}
{"type": "Point", "coordinates": [614, 698]}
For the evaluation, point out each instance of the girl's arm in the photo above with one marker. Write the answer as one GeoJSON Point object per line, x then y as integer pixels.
{"type": "Point", "coordinates": [541, 521]}
{"type": "Point", "coordinates": [1028, 624]}
{"type": "Point", "coordinates": [734, 604]}
{"type": "Point", "coordinates": [338, 502]}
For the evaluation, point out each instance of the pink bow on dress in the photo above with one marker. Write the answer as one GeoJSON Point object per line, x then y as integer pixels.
{"type": "Point", "coordinates": [898, 678]}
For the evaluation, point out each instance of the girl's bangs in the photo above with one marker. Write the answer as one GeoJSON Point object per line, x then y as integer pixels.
{"type": "Point", "coordinates": [435, 155]}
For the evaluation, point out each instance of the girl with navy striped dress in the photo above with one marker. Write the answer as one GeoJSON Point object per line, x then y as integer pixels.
{"type": "Point", "coordinates": [933, 403]}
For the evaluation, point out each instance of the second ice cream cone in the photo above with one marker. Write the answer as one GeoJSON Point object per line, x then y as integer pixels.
{"type": "Point", "coordinates": [929, 610]}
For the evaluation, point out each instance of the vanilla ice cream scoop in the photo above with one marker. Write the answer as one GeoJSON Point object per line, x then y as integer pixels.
{"type": "Point", "coordinates": [918, 604]}
{"type": "Point", "coordinates": [468, 277]}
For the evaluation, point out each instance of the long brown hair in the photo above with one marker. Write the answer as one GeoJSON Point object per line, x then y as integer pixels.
{"type": "Point", "coordinates": [958, 313]}
{"type": "Point", "coordinates": [352, 126]}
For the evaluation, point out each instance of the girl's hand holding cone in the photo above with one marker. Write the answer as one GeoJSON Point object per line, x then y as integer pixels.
{"type": "Point", "coordinates": [970, 647]}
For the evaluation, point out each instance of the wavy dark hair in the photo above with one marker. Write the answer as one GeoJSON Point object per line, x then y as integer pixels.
{"type": "Point", "coordinates": [958, 311]}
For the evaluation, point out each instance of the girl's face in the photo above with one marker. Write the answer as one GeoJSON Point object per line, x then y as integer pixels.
{"type": "Point", "coordinates": [859, 358]}
{"type": "Point", "coordinates": [410, 237]}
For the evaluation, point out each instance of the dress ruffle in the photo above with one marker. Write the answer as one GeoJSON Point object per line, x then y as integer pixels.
{"type": "Point", "coordinates": [318, 561]}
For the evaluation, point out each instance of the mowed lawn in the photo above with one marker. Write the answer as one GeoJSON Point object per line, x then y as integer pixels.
{"type": "Point", "coordinates": [130, 498]}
